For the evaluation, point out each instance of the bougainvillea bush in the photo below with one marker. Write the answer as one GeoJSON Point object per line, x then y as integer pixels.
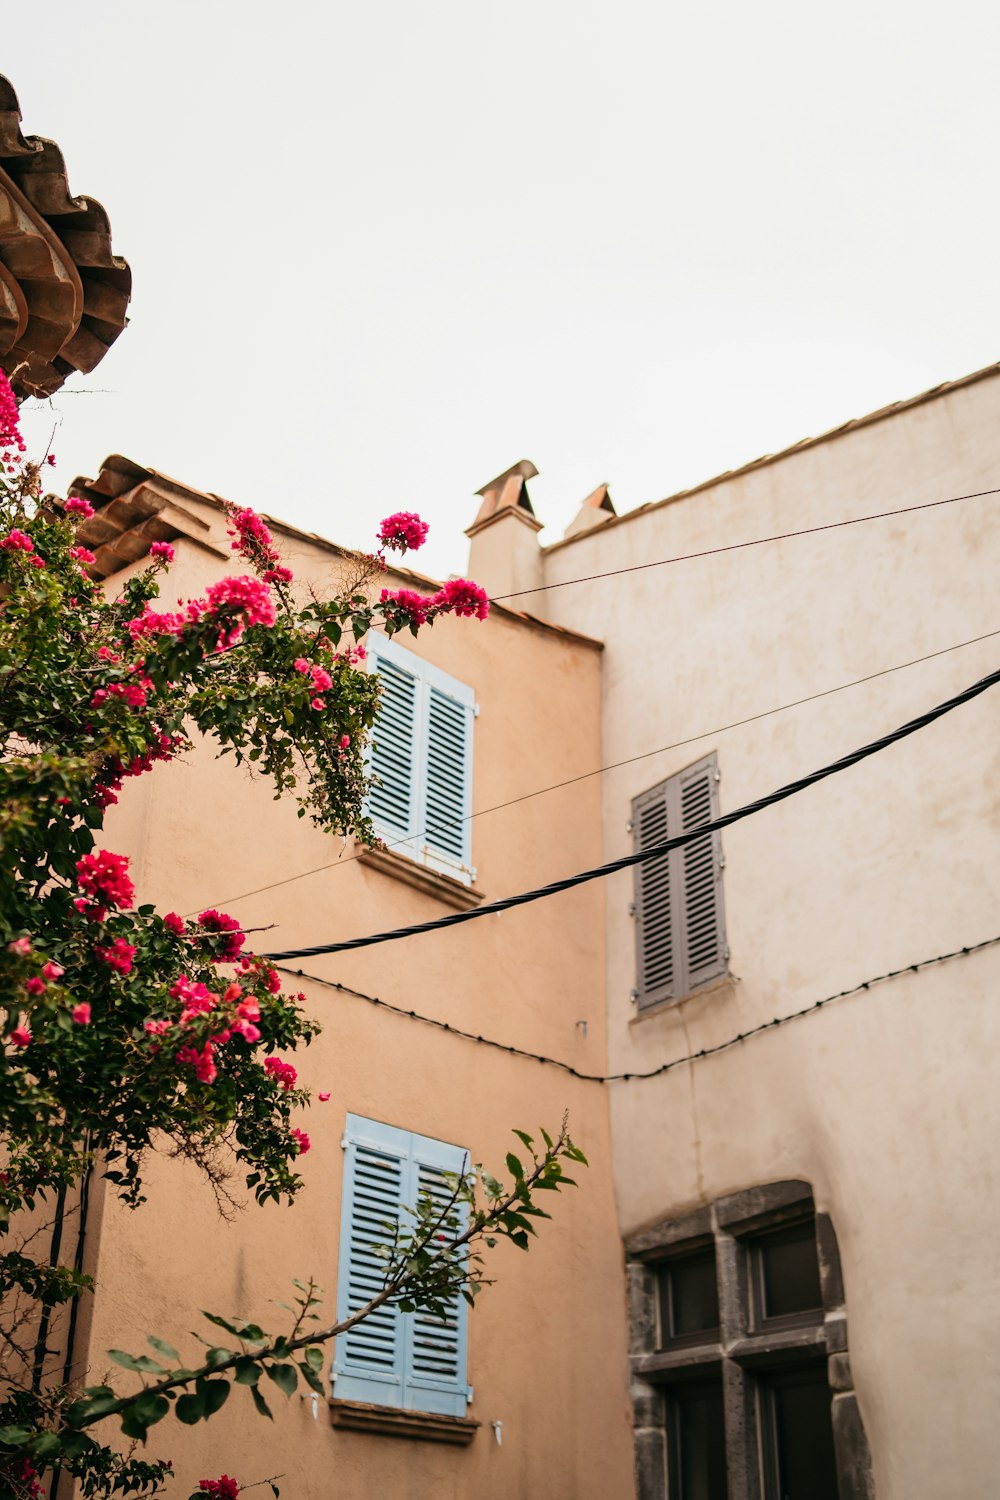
{"type": "Point", "coordinates": [123, 1028]}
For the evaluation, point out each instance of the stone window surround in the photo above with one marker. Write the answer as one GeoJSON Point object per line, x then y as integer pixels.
{"type": "Point", "coordinates": [738, 1353]}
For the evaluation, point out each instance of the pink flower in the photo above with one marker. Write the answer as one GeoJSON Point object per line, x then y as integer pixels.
{"type": "Point", "coordinates": [403, 531]}
{"type": "Point", "coordinates": [53, 971]}
{"type": "Point", "coordinates": [104, 876]}
{"type": "Point", "coordinates": [35, 985]}
{"type": "Point", "coordinates": [460, 596]}
{"type": "Point", "coordinates": [153, 622]}
{"type": "Point", "coordinates": [21, 946]}
{"type": "Point", "coordinates": [157, 1028]}
{"type": "Point", "coordinates": [281, 1072]}
{"type": "Point", "coordinates": [10, 418]}
{"type": "Point", "coordinates": [50, 458]}
{"type": "Point", "coordinates": [223, 1488]}
{"type": "Point", "coordinates": [162, 549]}
{"type": "Point", "coordinates": [84, 555]}
{"type": "Point", "coordinates": [38, 562]}
{"type": "Point", "coordinates": [119, 956]}
{"type": "Point", "coordinates": [21, 1036]}
{"type": "Point", "coordinates": [302, 1140]}
{"type": "Point", "coordinates": [80, 507]}
{"type": "Point", "coordinates": [174, 923]}
{"type": "Point", "coordinates": [408, 607]}
{"type": "Point", "coordinates": [300, 665]}
{"type": "Point", "coordinates": [345, 740]}
{"type": "Point", "coordinates": [318, 704]}
{"type": "Point", "coordinates": [321, 680]}
{"type": "Point", "coordinates": [81, 1013]}
{"type": "Point", "coordinates": [278, 575]}
{"type": "Point", "coordinates": [249, 1009]}
{"type": "Point", "coordinates": [247, 1030]}
{"type": "Point", "coordinates": [246, 597]}
{"type": "Point", "coordinates": [218, 921]}
{"type": "Point", "coordinates": [17, 541]}
{"type": "Point", "coordinates": [204, 1066]}
{"type": "Point", "coordinates": [273, 980]}
{"type": "Point", "coordinates": [323, 1097]}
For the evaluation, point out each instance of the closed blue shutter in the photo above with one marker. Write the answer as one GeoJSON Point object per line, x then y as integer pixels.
{"type": "Point", "coordinates": [422, 757]}
{"type": "Point", "coordinates": [412, 1360]}
{"type": "Point", "coordinates": [393, 800]}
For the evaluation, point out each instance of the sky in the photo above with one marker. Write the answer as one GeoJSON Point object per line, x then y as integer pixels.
{"type": "Point", "coordinates": [382, 251]}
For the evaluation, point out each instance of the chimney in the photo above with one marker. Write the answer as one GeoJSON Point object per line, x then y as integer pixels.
{"type": "Point", "coordinates": [504, 554]}
{"type": "Point", "coordinates": [595, 510]}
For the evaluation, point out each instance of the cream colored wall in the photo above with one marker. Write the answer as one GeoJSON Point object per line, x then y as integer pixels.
{"type": "Point", "coordinates": [887, 1103]}
{"type": "Point", "coordinates": [547, 1342]}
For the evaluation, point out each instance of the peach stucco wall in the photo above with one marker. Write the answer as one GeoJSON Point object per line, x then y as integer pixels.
{"type": "Point", "coordinates": [887, 1103]}
{"type": "Point", "coordinates": [547, 1342]}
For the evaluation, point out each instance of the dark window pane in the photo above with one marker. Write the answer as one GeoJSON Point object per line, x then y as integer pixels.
{"type": "Point", "coordinates": [788, 1271]}
{"type": "Point", "coordinates": [699, 1465]}
{"type": "Point", "coordinates": [689, 1296]}
{"type": "Point", "coordinates": [803, 1438]}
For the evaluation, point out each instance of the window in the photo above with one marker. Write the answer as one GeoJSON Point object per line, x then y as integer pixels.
{"type": "Point", "coordinates": [680, 925]}
{"type": "Point", "coordinates": [422, 756]}
{"type": "Point", "coordinates": [410, 1360]}
{"type": "Point", "coordinates": [739, 1334]}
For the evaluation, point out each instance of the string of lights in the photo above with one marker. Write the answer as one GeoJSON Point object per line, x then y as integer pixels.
{"type": "Point", "coordinates": [654, 851]}
{"type": "Point", "coordinates": [630, 760]}
{"type": "Point", "coordinates": [667, 1067]}
{"type": "Point", "coordinates": [782, 536]}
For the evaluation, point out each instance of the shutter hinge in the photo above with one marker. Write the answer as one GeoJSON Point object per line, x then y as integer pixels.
{"type": "Point", "coordinates": [344, 1143]}
{"type": "Point", "coordinates": [634, 996]}
{"type": "Point", "coordinates": [725, 953]}
{"type": "Point", "coordinates": [631, 908]}
{"type": "Point", "coordinates": [630, 826]}
{"type": "Point", "coordinates": [475, 710]}
{"type": "Point", "coordinates": [716, 774]}
{"type": "Point", "coordinates": [722, 861]}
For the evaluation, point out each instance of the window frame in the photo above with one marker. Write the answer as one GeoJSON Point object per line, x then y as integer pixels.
{"type": "Point", "coordinates": [413, 842]}
{"type": "Point", "coordinates": [745, 1356]}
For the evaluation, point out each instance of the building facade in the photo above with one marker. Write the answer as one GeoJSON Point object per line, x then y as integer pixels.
{"type": "Point", "coordinates": [807, 1206]}
{"type": "Point", "coordinates": [526, 1393]}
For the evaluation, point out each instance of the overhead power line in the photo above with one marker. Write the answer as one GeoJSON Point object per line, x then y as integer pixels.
{"type": "Point", "coordinates": [676, 1062]}
{"type": "Point", "coordinates": [655, 851]}
{"type": "Point", "coordinates": [781, 536]}
{"type": "Point", "coordinates": [616, 765]}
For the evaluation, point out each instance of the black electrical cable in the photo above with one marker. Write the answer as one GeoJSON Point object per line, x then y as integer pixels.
{"type": "Point", "coordinates": [677, 1062]}
{"type": "Point", "coordinates": [655, 850]}
{"type": "Point", "coordinates": [782, 536]}
{"type": "Point", "coordinates": [631, 760]}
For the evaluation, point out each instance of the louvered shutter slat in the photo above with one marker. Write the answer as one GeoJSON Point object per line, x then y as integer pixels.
{"type": "Point", "coordinates": [435, 1352]}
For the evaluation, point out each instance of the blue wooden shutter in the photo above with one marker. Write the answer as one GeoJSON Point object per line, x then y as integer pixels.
{"type": "Point", "coordinates": [435, 1357]}
{"type": "Point", "coordinates": [447, 804]}
{"type": "Point", "coordinates": [410, 1360]}
{"type": "Point", "coordinates": [392, 802]}
{"type": "Point", "coordinates": [368, 1359]}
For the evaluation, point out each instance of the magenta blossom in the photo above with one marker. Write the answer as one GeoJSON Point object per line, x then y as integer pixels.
{"type": "Point", "coordinates": [460, 596]}
{"type": "Point", "coordinates": [404, 531]}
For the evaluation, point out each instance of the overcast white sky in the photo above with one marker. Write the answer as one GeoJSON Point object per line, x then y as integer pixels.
{"type": "Point", "coordinates": [382, 250]}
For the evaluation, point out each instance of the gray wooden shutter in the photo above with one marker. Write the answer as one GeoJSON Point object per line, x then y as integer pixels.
{"type": "Point", "coordinates": [680, 924]}
{"type": "Point", "coordinates": [392, 801]}
{"type": "Point", "coordinates": [705, 953]}
{"type": "Point", "coordinates": [657, 945]}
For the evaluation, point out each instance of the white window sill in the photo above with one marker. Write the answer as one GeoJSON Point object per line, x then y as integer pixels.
{"type": "Point", "coordinates": [716, 988]}
{"type": "Point", "coordinates": [445, 888]}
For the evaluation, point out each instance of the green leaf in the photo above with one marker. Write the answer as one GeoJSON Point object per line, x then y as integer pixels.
{"type": "Point", "coordinates": [136, 1361]}
{"type": "Point", "coordinates": [260, 1403]}
{"type": "Point", "coordinates": [15, 1437]}
{"type": "Point", "coordinates": [221, 1323]}
{"type": "Point", "coordinates": [311, 1379]}
{"type": "Point", "coordinates": [46, 1446]}
{"type": "Point", "coordinates": [163, 1348]}
{"type": "Point", "coordinates": [214, 1394]}
{"type": "Point", "coordinates": [314, 1358]}
{"type": "Point", "coordinates": [524, 1138]}
{"type": "Point", "coordinates": [284, 1377]}
{"type": "Point", "coordinates": [189, 1409]}
{"type": "Point", "coordinates": [514, 1166]}
{"type": "Point", "coordinates": [247, 1371]}
{"type": "Point", "coordinates": [218, 1356]}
